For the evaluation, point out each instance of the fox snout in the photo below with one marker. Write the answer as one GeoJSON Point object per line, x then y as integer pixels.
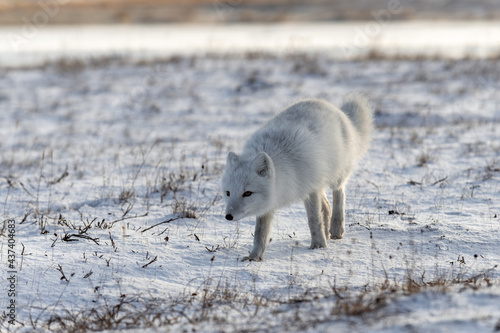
{"type": "Point", "coordinates": [229, 212]}
{"type": "Point", "coordinates": [232, 213]}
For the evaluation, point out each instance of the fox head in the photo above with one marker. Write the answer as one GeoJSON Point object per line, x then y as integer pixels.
{"type": "Point", "coordinates": [248, 185]}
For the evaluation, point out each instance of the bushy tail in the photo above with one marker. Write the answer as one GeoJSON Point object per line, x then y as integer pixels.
{"type": "Point", "coordinates": [357, 107]}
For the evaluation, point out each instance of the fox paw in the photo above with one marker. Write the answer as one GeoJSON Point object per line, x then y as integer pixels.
{"type": "Point", "coordinates": [251, 259]}
{"type": "Point", "coordinates": [316, 246]}
{"type": "Point", "coordinates": [336, 236]}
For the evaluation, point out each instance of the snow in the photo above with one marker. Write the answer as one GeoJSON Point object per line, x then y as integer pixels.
{"type": "Point", "coordinates": [37, 43]}
{"type": "Point", "coordinates": [124, 152]}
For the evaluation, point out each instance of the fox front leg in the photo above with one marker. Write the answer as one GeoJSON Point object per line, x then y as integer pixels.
{"type": "Point", "coordinates": [261, 237]}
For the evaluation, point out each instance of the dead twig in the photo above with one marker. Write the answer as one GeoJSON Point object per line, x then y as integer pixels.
{"type": "Point", "coordinates": [25, 189]}
{"type": "Point", "coordinates": [440, 181]}
{"type": "Point", "coordinates": [163, 222]}
{"type": "Point", "coordinates": [126, 218]}
{"type": "Point", "coordinates": [69, 238]}
{"type": "Point", "coordinates": [149, 263]}
{"type": "Point", "coordinates": [61, 177]}
{"type": "Point", "coordinates": [63, 277]}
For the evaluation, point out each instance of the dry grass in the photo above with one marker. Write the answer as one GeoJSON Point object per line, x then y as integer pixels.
{"type": "Point", "coordinates": [215, 298]}
{"type": "Point", "coordinates": [424, 159]}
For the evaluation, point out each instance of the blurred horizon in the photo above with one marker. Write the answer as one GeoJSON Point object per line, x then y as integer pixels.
{"type": "Point", "coordinates": [70, 12]}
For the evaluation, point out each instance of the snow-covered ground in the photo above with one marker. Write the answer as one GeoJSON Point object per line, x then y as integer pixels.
{"type": "Point", "coordinates": [111, 172]}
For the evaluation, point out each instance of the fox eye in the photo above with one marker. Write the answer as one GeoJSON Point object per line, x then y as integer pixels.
{"type": "Point", "coordinates": [228, 193]}
{"type": "Point", "coordinates": [247, 194]}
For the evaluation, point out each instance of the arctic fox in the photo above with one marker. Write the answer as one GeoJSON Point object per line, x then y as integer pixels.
{"type": "Point", "coordinates": [309, 146]}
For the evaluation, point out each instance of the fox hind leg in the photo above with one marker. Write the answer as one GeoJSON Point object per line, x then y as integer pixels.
{"type": "Point", "coordinates": [315, 216]}
{"type": "Point", "coordinates": [337, 227]}
{"type": "Point", "coordinates": [326, 212]}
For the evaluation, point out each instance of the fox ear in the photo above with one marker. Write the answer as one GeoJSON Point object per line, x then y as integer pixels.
{"type": "Point", "coordinates": [232, 158]}
{"type": "Point", "coordinates": [262, 164]}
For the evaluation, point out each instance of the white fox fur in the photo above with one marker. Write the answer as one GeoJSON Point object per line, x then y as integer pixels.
{"type": "Point", "coordinates": [309, 146]}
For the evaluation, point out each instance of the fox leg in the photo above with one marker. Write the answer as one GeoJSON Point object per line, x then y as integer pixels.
{"type": "Point", "coordinates": [337, 226]}
{"type": "Point", "coordinates": [261, 237]}
{"type": "Point", "coordinates": [326, 211]}
{"type": "Point", "coordinates": [315, 216]}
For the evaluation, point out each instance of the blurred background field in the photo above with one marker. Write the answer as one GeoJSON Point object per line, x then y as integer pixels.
{"type": "Point", "coordinates": [212, 11]}
{"type": "Point", "coordinates": [34, 32]}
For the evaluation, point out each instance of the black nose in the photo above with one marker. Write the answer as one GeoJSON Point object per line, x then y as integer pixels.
{"type": "Point", "coordinates": [229, 217]}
